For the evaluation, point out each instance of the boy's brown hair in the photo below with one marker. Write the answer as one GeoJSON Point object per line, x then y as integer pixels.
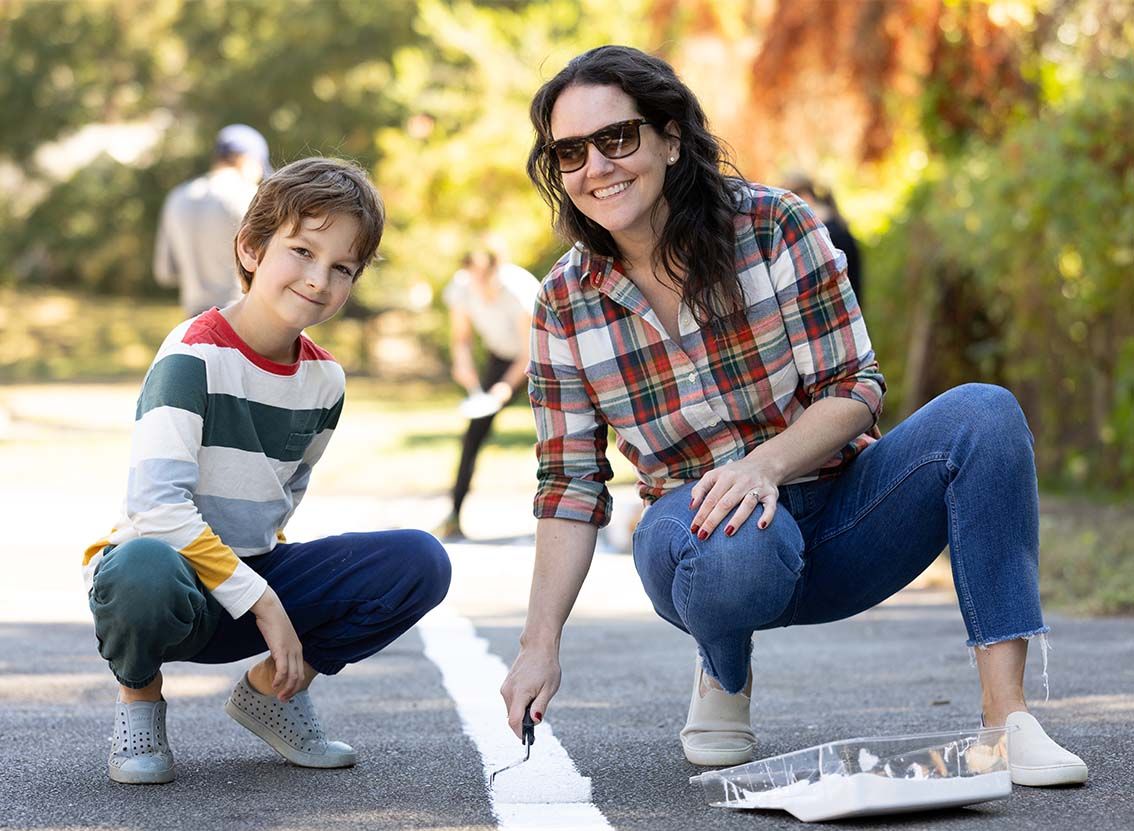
{"type": "Point", "coordinates": [314, 187]}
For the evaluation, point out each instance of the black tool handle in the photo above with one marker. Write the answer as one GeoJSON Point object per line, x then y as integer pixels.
{"type": "Point", "coordinates": [529, 727]}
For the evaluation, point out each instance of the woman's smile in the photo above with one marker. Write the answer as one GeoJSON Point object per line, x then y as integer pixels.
{"type": "Point", "coordinates": [610, 191]}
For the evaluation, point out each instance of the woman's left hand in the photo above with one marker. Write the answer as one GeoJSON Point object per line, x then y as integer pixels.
{"type": "Point", "coordinates": [737, 488]}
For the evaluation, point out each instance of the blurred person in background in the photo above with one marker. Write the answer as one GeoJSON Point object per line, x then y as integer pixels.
{"type": "Point", "coordinates": [493, 299]}
{"type": "Point", "coordinates": [821, 200]}
{"type": "Point", "coordinates": [200, 218]}
{"type": "Point", "coordinates": [709, 321]}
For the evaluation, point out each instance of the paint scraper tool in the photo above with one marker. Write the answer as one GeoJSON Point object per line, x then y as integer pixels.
{"type": "Point", "coordinates": [528, 738]}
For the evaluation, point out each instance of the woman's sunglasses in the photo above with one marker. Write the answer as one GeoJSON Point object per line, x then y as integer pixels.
{"type": "Point", "coordinates": [615, 141]}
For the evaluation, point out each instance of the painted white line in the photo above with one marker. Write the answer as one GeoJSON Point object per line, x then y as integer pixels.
{"type": "Point", "coordinates": [472, 676]}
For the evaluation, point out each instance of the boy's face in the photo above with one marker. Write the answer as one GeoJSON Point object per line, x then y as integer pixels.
{"type": "Point", "coordinates": [305, 276]}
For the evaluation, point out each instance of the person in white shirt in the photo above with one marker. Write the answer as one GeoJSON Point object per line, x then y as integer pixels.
{"type": "Point", "coordinates": [194, 247]}
{"type": "Point", "coordinates": [494, 299]}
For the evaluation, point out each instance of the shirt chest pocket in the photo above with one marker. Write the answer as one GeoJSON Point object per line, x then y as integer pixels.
{"type": "Point", "coordinates": [298, 441]}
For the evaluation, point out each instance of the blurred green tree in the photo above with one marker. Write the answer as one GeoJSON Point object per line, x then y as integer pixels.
{"type": "Point", "coordinates": [459, 157]}
{"type": "Point", "coordinates": [311, 75]}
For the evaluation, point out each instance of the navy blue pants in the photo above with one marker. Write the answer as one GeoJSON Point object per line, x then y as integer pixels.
{"type": "Point", "coordinates": [347, 596]}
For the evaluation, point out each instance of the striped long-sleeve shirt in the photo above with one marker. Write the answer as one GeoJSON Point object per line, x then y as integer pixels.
{"type": "Point", "coordinates": [681, 406]}
{"type": "Point", "coordinates": [223, 445]}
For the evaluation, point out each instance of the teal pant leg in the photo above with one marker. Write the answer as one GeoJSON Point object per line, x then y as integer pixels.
{"type": "Point", "coordinates": [149, 607]}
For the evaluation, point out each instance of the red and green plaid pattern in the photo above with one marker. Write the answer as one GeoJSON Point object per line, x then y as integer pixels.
{"type": "Point", "coordinates": [681, 407]}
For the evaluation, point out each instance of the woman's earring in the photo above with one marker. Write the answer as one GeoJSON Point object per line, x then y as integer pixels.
{"type": "Point", "coordinates": [672, 159]}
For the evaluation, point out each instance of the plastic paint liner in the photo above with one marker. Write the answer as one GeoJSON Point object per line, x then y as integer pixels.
{"type": "Point", "coordinates": [860, 777]}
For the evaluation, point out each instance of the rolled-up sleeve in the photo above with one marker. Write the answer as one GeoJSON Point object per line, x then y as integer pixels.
{"type": "Point", "coordinates": [571, 437]}
{"type": "Point", "coordinates": [830, 346]}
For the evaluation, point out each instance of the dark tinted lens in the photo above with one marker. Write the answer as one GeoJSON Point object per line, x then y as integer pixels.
{"type": "Point", "coordinates": [570, 155]}
{"type": "Point", "coordinates": [617, 141]}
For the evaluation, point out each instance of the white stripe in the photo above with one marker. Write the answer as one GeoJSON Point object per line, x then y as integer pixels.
{"type": "Point", "coordinates": [472, 676]}
{"type": "Point", "coordinates": [316, 383]}
{"type": "Point", "coordinates": [243, 474]}
{"type": "Point", "coordinates": [166, 433]}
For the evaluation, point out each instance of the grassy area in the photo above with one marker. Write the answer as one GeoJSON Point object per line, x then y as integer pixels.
{"type": "Point", "coordinates": [396, 438]}
{"type": "Point", "coordinates": [1087, 559]}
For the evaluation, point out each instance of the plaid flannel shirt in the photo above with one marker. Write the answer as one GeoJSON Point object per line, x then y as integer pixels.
{"type": "Point", "coordinates": [682, 407]}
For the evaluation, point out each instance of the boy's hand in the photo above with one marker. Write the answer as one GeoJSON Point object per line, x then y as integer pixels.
{"type": "Point", "coordinates": [283, 643]}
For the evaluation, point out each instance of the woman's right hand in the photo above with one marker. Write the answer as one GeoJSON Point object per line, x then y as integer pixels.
{"type": "Point", "coordinates": [533, 679]}
{"type": "Point", "coordinates": [283, 643]}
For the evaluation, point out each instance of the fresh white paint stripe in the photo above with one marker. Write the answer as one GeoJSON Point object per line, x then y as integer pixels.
{"type": "Point", "coordinates": [472, 676]}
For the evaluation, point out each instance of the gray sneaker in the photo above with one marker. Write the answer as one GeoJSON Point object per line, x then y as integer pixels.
{"type": "Point", "coordinates": [140, 753]}
{"type": "Point", "coordinates": [291, 728]}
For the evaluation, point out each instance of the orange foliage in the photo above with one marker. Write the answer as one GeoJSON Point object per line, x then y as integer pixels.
{"type": "Point", "coordinates": [794, 82]}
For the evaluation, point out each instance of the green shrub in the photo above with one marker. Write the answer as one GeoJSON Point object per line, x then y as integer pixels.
{"type": "Point", "coordinates": [1012, 265]}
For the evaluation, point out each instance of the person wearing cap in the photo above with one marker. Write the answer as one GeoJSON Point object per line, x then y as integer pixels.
{"type": "Point", "coordinates": [198, 222]}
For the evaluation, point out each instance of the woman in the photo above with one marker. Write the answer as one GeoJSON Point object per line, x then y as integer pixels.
{"type": "Point", "coordinates": [709, 321]}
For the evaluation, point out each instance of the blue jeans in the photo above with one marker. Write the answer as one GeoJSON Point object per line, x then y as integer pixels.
{"type": "Point", "coordinates": [347, 597]}
{"type": "Point", "coordinates": [959, 471]}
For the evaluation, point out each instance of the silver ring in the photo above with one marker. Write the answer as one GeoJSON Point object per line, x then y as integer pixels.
{"type": "Point", "coordinates": [755, 493]}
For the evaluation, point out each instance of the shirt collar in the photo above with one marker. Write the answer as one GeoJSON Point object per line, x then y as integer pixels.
{"type": "Point", "coordinates": [600, 270]}
{"type": "Point", "coordinates": [608, 279]}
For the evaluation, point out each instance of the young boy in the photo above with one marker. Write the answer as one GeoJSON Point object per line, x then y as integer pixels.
{"type": "Point", "coordinates": [235, 410]}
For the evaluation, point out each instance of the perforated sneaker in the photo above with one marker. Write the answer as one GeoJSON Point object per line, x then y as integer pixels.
{"type": "Point", "coordinates": [140, 753]}
{"type": "Point", "coordinates": [291, 728]}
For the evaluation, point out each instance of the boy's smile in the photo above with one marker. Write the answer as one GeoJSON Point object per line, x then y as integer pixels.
{"type": "Point", "coordinates": [303, 278]}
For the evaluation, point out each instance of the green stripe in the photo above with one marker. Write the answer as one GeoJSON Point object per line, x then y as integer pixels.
{"type": "Point", "coordinates": [174, 381]}
{"type": "Point", "coordinates": [277, 432]}
{"type": "Point", "coordinates": [333, 415]}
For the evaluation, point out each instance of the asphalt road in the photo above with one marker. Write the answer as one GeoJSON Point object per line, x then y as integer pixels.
{"type": "Point", "coordinates": [901, 668]}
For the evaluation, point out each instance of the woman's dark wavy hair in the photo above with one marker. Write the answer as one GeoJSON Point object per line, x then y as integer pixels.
{"type": "Point", "coordinates": [695, 249]}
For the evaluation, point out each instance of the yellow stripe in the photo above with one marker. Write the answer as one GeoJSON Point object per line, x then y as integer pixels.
{"type": "Point", "coordinates": [94, 549]}
{"type": "Point", "coordinates": [213, 561]}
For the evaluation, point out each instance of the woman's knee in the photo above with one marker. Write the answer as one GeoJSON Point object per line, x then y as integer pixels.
{"type": "Point", "coordinates": [985, 406]}
{"type": "Point", "coordinates": [748, 579]}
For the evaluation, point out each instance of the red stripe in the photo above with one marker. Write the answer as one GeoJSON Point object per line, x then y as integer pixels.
{"type": "Point", "coordinates": [211, 328]}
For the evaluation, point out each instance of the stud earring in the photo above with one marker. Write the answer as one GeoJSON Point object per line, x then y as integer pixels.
{"type": "Point", "coordinates": [672, 159]}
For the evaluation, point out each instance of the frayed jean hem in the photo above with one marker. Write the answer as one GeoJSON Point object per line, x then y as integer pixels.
{"type": "Point", "coordinates": [1021, 636]}
{"type": "Point", "coordinates": [1045, 646]}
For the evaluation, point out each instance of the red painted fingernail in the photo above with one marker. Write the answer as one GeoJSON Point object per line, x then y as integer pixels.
{"type": "Point", "coordinates": [538, 716]}
{"type": "Point", "coordinates": [691, 501]}
{"type": "Point", "coordinates": [728, 532]}
{"type": "Point", "coordinates": [696, 529]}
{"type": "Point", "coordinates": [702, 535]}
{"type": "Point", "coordinates": [762, 524]}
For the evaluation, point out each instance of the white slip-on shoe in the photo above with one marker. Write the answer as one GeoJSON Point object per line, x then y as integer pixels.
{"type": "Point", "coordinates": [718, 729]}
{"type": "Point", "coordinates": [140, 753]}
{"type": "Point", "coordinates": [291, 728]}
{"type": "Point", "coordinates": [1035, 759]}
